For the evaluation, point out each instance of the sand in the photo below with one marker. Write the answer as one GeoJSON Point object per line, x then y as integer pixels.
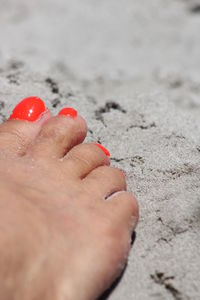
{"type": "Point", "coordinates": [132, 69]}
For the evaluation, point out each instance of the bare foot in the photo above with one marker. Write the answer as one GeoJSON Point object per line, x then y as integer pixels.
{"type": "Point", "coordinates": [65, 217]}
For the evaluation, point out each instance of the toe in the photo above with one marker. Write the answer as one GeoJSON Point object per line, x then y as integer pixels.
{"type": "Point", "coordinates": [24, 124]}
{"type": "Point", "coordinates": [58, 136]}
{"type": "Point", "coordinates": [124, 210]}
{"type": "Point", "coordinates": [104, 181]}
{"type": "Point", "coordinates": [84, 158]}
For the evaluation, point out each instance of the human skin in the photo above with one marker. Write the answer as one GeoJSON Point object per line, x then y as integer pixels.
{"type": "Point", "coordinates": [65, 217]}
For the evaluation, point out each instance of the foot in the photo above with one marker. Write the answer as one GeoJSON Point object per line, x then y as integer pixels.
{"type": "Point", "coordinates": [65, 216]}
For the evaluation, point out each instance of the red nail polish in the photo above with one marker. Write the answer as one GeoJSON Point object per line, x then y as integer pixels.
{"type": "Point", "coordinates": [69, 112]}
{"type": "Point", "coordinates": [28, 109]}
{"type": "Point", "coordinates": [103, 149]}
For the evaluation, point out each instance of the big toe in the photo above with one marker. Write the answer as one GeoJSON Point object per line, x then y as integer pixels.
{"type": "Point", "coordinates": [25, 122]}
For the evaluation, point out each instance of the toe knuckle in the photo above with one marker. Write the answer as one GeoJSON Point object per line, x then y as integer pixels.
{"type": "Point", "coordinates": [80, 159]}
{"type": "Point", "coordinates": [14, 134]}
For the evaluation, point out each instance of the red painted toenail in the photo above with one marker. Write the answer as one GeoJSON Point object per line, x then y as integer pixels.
{"type": "Point", "coordinates": [69, 112]}
{"type": "Point", "coordinates": [28, 109]}
{"type": "Point", "coordinates": [103, 149]}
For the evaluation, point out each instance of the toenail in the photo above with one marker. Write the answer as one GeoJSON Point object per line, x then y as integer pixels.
{"type": "Point", "coordinates": [69, 112]}
{"type": "Point", "coordinates": [29, 109]}
{"type": "Point", "coordinates": [103, 149]}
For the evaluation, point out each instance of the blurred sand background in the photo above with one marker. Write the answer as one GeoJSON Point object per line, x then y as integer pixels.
{"type": "Point", "coordinates": [132, 69]}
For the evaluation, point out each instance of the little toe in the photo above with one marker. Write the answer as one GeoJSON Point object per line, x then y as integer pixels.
{"type": "Point", "coordinates": [123, 207]}
{"type": "Point", "coordinates": [84, 158]}
{"type": "Point", "coordinates": [58, 136]}
{"type": "Point", "coordinates": [25, 122]}
{"type": "Point", "coordinates": [104, 181]}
